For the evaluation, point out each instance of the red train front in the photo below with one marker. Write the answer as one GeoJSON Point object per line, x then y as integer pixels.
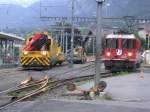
{"type": "Point", "coordinates": [121, 52]}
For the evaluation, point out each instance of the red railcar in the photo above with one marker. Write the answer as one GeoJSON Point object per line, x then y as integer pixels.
{"type": "Point", "coordinates": [121, 52]}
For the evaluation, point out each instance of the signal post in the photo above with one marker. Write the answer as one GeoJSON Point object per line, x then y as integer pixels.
{"type": "Point", "coordinates": [98, 42]}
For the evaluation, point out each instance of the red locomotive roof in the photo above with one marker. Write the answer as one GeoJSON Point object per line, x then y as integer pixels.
{"type": "Point", "coordinates": [131, 36]}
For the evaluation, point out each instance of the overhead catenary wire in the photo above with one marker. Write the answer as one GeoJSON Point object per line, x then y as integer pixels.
{"type": "Point", "coordinates": [81, 8]}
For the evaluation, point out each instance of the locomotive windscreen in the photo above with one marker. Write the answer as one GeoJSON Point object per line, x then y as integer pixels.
{"type": "Point", "coordinates": [128, 43]}
{"type": "Point", "coordinates": [112, 43]}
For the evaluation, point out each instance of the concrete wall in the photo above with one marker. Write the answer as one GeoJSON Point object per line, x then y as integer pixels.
{"type": "Point", "coordinates": [147, 57]}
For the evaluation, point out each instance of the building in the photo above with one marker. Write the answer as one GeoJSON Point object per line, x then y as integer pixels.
{"type": "Point", "coordinates": [9, 49]}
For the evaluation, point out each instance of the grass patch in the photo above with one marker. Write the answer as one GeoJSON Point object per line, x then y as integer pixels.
{"type": "Point", "coordinates": [24, 92]}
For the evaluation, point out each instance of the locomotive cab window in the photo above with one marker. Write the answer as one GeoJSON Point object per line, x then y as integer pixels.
{"type": "Point", "coordinates": [30, 39]}
{"type": "Point", "coordinates": [112, 43]}
{"type": "Point", "coordinates": [48, 45]}
{"type": "Point", "coordinates": [128, 43]}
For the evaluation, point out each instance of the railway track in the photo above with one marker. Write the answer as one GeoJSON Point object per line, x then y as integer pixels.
{"type": "Point", "coordinates": [45, 85]}
{"type": "Point", "coordinates": [8, 70]}
{"type": "Point", "coordinates": [75, 70]}
{"type": "Point", "coordinates": [15, 98]}
{"type": "Point", "coordinates": [71, 72]}
{"type": "Point", "coordinates": [18, 70]}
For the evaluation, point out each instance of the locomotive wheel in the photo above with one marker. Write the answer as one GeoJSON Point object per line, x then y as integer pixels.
{"type": "Point", "coordinates": [133, 68]}
{"type": "Point", "coordinates": [113, 71]}
{"type": "Point", "coordinates": [82, 61]}
{"type": "Point", "coordinates": [60, 63]}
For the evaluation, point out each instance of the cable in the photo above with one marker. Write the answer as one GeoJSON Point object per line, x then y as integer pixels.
{"type": "Point", "coordinates": [49, 3]}
{"type": "Point", "coordinates": [120, 5]}
{"type": "Point", "coordinates": [81, 7]}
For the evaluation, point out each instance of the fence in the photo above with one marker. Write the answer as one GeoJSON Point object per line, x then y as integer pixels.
{"type": "Point", "coordinates": [8, 61]}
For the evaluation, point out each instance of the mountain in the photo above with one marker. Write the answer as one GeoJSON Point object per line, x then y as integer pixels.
{"type": "Point", "coordinates": [137, 8]}
{"type": "Point", "coordinates": [17, 17]}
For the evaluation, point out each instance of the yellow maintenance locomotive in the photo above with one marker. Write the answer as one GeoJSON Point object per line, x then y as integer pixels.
{"type": "Point", "coordinates": [41, 50]}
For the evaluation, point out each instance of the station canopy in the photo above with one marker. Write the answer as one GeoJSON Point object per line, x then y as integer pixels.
{"type": "Point", "coordinates": [8, 36]}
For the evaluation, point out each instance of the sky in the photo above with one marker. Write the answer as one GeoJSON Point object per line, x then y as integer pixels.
{"type": "Point", "coordinates": [24, 3]}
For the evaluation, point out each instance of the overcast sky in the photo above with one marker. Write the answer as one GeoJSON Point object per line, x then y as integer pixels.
{"type": "Point", "coordinates": [24, 3]}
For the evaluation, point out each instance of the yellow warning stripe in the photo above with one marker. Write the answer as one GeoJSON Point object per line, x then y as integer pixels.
{"type": "Point", "coordinates": [44, 60]}
{"type": "Point", "coordinates": [47, 59]}
{"type": "Point", "coordinates": [29, 62]}
{"type": "Point", "coordinates": [35, 59]}
{"type": "Point", "coordinates": [39, 60]}
{"type": "Point", "coordinates": [25, 60]}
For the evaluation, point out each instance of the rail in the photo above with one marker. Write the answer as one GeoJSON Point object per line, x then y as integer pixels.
{"type": "Point", "coordinates": [47, 85]}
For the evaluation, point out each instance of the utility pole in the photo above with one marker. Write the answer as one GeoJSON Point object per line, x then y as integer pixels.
{"type": "Point", "coordinates": [148, 43]}
{"type": "Point", "coordinates": [63, 42]}
{"type": "Point", "coordinates": [93, 40]}
{"type": "Point", "coordinates": [98, 42]}
{"type": "Point", "coordinates": [61, 35]}
{"type": "Point", "coordinates": [72, 35]}
{"type": "Point", "coordinates": [66, 43]}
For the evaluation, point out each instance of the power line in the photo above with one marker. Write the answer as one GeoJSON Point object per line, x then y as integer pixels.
{"type": "Point", "coordinates": [81, 8]}
{"type": "Point", "coordinates": [46, 7]}
{"type": "Point", "coordinates": [49, 3]}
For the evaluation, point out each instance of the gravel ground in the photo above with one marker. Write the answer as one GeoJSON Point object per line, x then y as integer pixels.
{"type": "Point", "coordinates": [47, 101]}
{"type": "Point", "coordinates": [10, 78]}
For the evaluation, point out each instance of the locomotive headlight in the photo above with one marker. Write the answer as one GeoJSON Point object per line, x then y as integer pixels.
{"type": "Point", "coordinates": [130, 54]}
{"type": "Point", "coordinates": [25, 52]}
{"type": "Point", "coordinates": [108, 54]}
{"type": "Point", "coordinates": [44, 53]}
